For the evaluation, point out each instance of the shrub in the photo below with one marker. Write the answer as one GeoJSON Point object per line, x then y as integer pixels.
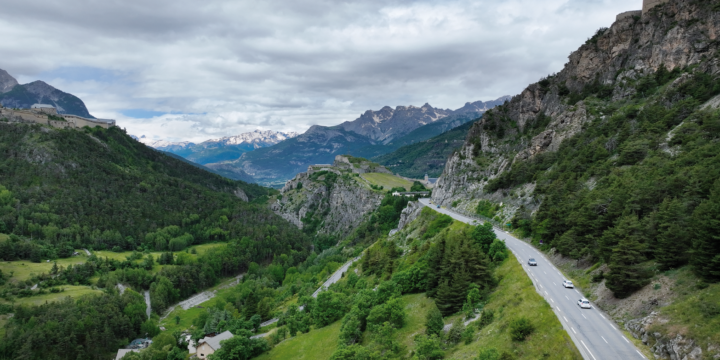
{"type": "Point", "coordinates": [520, 329]}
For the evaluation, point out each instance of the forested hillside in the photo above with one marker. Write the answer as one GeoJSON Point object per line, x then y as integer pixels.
{"type": "Point", "coordinates": [62, 190]}
{"type": "Point", "coordinates": [427, 156]}
{"type": "Point", "coordinates": [613, 161]}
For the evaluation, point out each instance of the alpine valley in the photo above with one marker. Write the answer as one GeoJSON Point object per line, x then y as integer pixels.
{"type": "Point", "coordinates": [606, 175]}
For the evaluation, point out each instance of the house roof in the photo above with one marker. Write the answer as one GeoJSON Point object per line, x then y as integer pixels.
{"type": "Point", "coordinates": [122, 353]}
{"type": "Point", "coordinates": [214, 342]}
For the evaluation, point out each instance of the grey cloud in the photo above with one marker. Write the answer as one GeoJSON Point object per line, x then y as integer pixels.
{"type": "Point", "coordinates": [289, 64]}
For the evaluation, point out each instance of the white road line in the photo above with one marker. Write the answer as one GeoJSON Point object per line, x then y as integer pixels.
{"type": "Point", "coordinates": [544, 272]}
{"type": "Point", "coordinates": [576, 291]}
{"type": "Point", "coordinates": [552, 300]}
{"type": "Point", "coordinates": [604, 339]}
{"type": "Point", "coordinates": [626, 340]}
{"type": "Point", "coordinates": [567, 297]}
{"type": "Point", "coordinates": [601, 315]}
{"type": "Point", "coordinates": [583, 315]}
{"type": "Point", "coordinates": [643, 356]}
{"type": "Point", "coordinates": [547, 293]}
{"type": "Point", "coordinates": [566, 320]}
{"type": "Point", "coordinates": [588, 350]}
{"type": "Point", "coordinates": [558, 308]}
{"type": "Point", "coordinates": [554, 283]}
{"type": "Point", "coordinates": [573, 330]}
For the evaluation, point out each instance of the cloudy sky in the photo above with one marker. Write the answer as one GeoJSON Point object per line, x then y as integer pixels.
{"type": "Point", "coordinates": [194, 70]}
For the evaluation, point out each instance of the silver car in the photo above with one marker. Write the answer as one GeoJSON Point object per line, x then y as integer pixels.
{"type": "Point", "coordinates": [532, 262]}
{"type": "Point", "coordinates": [568, 284]}
{"type": "Point", "coordinates": [584, 303]}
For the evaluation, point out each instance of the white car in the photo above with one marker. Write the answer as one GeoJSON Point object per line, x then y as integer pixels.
{"type": "Point", "coordinates": [568, 284]}
{"type": "Point", "coordinates": [584, 303]}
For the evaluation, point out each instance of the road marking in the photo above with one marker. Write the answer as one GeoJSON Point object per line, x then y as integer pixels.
{"type": "Point", "coordinates": [601, 315]}
{"type": "Point", "coordinates": [626, 340]}
{"type": "Point", "coordinates": [554, 283]}
{"type": "Point", "coordinates": [567, 297]}
{"type": "Point", "coordinates": [547, 293]}
{"type": "Point", "coordinates": [576, 291]}
{"type": "Point", "coordinates": [604, 339]}
{"type": "Point", "coordinates": [566, 320]}
{"type": "Point", "coordinates": [643, 356]}
{"type": "Point", "coordinates": [552, 300]}
{"type": "Point", "coordinates": [544, 272]}
{"type": "Point", "coordinates": [588, 350]}
{"type": "Point", "coordinates": [573, 330]}
{"type": "Point", "coordinates": [583, 315]}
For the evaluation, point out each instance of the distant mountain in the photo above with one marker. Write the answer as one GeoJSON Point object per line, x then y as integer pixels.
{"type": "Point", "coordinates": [374, 133]}
{"type": "Point", "coordinates": [223, 149]}
{"type": "Point", "coordinates": [388, 124]}
{"type": "Point", "coordinates": [13, 95]}
{"type": "Point", "coordinates": [278, 163]}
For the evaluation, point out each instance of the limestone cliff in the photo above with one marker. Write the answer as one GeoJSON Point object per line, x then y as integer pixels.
{"type": "Point", "coordinates": [331, 199]}
{"type": "Point", "coordinates": [604, 74]}
{"type": "Point", "coordinates": [676, 34]}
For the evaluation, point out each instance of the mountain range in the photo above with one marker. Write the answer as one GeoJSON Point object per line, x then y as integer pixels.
{"type": "Point", "coordinates": [218, 150]}
{"type": "Point", "coordinates": [14, 95]}
{"type": "Point", "coordinates": [373, 133]}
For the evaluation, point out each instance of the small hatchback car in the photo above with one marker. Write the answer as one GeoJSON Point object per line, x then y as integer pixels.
{"type": "Point", "coordinates": [532, 262]}
{"type": "Point", "coordinates": [584, 303]}
{"type": "Point", "coordinates": [568, 284]}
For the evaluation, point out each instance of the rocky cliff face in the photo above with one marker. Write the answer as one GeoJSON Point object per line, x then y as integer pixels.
{"type": "Point", "coordinates": [676, 34]}
{"type": "Point", "coordinates": [679, 34]}
{"type": "Point", "coordinates": [329, 197]}
{"type": "Point", "coordinates": [7, 82]}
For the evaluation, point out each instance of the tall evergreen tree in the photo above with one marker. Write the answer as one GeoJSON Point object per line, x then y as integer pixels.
{"type": "Point", "coordinates": [626, 275]}
{"type": "Point", "coordinates": [673, 240]}
{"type": "Point", "coordinates": [434, 321]}
{"type": "Point", "coordinates": [435, 259]}
{"type": "Point", "coordinates": [705, 254]}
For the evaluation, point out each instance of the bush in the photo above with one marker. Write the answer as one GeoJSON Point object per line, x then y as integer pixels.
{"type": "Point", "coordinates": [520, 329]}
{"type": "Point", "coordinates": [488, 315]}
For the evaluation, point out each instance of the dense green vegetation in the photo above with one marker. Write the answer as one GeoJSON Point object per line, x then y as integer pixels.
{"type": "Point", "coordinates": [638, 183]}
{"type": "Point", "coordinates": [67, 189]}
{"type": "Point", "coordinates": [427, 156]}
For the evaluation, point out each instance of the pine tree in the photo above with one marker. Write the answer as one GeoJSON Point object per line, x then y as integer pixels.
{"type": "Point", "coordinates": [673, 241]}
{"type": "Point", "coordinates": [452, 293]}
{"type": "Point", "coordinates": [435, 259]}
{"type": "Point", "coordinates": [626, 275]}
{"type": "Point", "coordinates": [434, 321]}
{"type": "Point", "coordinates": [705, 254]}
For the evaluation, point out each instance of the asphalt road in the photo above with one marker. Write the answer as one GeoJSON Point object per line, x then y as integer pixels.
{"type": "Point", "coordinates": [593, 333]}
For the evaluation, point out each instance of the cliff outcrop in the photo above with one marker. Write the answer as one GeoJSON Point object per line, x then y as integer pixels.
{"type": "Point", "coordinates": [330, 199]}
{"type": "Point", "coordinates": [677, 34]}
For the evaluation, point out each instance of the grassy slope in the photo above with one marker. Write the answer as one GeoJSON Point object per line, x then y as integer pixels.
{"type": "Point", "coordinates": [388, 181]}
{"type": "Point", "coordinates": [25, 269]}
{"type": "Point", "coordinates": [70, 290]}
{"type": "Point", "coordinates": [316, 345]}
{"type": "Point", "coordinates": [514, 297]}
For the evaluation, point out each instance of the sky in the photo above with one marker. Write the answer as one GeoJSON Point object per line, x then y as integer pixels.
{"type": "Point", "coordinates": [194, 70]}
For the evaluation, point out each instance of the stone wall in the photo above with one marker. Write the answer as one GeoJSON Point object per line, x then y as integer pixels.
{"type": "Point", "coordinates": [649, 4]}
{"type": "Point", "coordinates": [628, 14]}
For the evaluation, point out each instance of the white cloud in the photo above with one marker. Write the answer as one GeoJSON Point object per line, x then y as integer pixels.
{"type": "Point", "coordinates": [286, 65]}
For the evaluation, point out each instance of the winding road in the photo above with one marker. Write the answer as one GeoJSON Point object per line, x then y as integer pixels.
{"type": "Point", "coordinates": [596, 336]}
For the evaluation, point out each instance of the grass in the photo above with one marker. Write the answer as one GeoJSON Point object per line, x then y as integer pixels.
{"type": "Point", "coordinates": [3, 237]}
{"type": "Point", "coordinates": [70, 290]}
{"type": "Point", "coordinates": [416, 308]}
{"type": "Point", "coordinates": [25, 269]}
{"type": "Point", "coordinates": [516, 297]}
{"type": "Point", "coordinates": [387, 181]}
{"type": "Point", "coordinates": [317, 344]}
{"type": "Point", "coordinates": [695, 313]}
{"type": "Point", "coordinates": [122, 256]}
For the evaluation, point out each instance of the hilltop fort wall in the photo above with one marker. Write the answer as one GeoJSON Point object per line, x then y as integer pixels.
{"type": "Point", "coordinates": [43, 116]}
{"type": "Point", "coordinates": [649, 4]}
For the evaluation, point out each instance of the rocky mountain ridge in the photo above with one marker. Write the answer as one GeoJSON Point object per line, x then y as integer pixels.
{"type": "Point", "coordinates": [388, 124]}
{"type": "Point", "coordinates": [14, 95]}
